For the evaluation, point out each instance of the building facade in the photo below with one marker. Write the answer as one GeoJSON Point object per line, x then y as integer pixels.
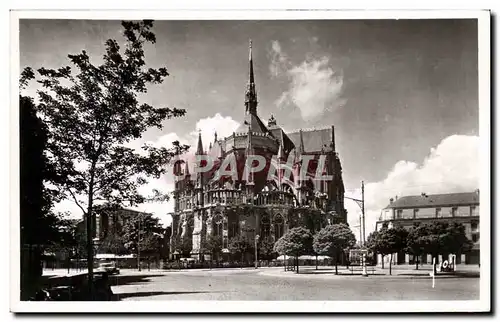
{"type": "Point", "coordinates": [453, 207]}
{"type": "Point", "coordinates": [250, 204]}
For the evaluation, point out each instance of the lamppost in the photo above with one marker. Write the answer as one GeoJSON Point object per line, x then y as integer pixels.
{"type": "Point", "coordinates": [256, 260]}
{"type": "Point", "coordinates": [361, 204]}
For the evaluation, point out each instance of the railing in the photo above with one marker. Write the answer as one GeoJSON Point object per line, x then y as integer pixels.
{"type": "Point", "coordinates": [237, 197]}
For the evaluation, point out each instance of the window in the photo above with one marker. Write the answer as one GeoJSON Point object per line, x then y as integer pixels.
{"type": "Point", "coordinates": [265, 226]}
{"type": "Point", "coordinates": [475, 237]}
{"type": "Point", "coordinates": [453, 211]}
{"type": "Point", "coordinates": [217, 225]}
{"type": "Point", "coordinates": [279, 225]}
{"type": "Point", "coordinates": [438, 212]}
{"type": "Point", "coordinates": [399, 214]}
{"type": "Point", "coordinates": [474, 226]}
{"type": "Point", "coordinates": [234, 229]}
{"type": "Point", "coordinates": [473, 210]}
{"type": "Point", "coordinates": [415, 213]}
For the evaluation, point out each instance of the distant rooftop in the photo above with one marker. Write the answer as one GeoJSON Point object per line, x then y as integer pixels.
{"type": "Point", "coordinates": [424, 200]}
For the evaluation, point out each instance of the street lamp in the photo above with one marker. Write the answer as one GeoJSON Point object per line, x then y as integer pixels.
{"type": "Point", "coordinates": [256, 240]}
{"type": "Point", "coordinates": [361, 204]}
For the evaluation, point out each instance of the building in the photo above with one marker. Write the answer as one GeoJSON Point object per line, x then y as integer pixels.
{"type": "Point", "coordinates": [452, 207]}
{"type": "Point", "coordinates": [207, 203]}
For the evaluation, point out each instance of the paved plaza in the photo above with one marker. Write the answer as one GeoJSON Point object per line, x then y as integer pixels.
{"type": "Point", "coordinates": [275, 284]}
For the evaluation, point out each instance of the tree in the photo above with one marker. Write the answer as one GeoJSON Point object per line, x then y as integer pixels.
{"type": "Point", "coordinates": [213, 245]}
{"type": "Point", "coordinates": [443, 238]}
{"type": "Point", "coordinates": [388, 241]}
{"type": "Point", "coordinates": [185, 247]}
{"type": "Point", "coordinates": [39, 226]}
{"type": "Point", "coordinates": [416, 241]}
{"type": "Point", "coordinates": [332, 240]}
{"type": "Point", "coordinates": [143, 235]}
{"type": "Point", "coordinates": [265, 249]}
{"type": "Point", "coordinates": [239, 246]}
{"type": "Point", "coordinates": [296, 242]}
{"type": "Point", "coordinates": [93, 113]}
{"type": "Point", "coordinates": [113, 243]}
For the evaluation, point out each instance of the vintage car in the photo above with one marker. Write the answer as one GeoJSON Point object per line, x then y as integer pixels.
{"type": "Point", "coordinates": [109, 268]}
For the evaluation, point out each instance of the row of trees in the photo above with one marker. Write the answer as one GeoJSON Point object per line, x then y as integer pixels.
{"type": "Point", "coordinates": [436, 238]}
{"type": "Point", "coordinates": [332, 240]}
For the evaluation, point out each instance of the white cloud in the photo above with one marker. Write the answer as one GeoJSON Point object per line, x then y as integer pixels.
{"type": "Point", "coordinates": [224, 126]}
{"type": "Point", "coordinates": [314, 86]}
{"type": "Point", "coordinates": [452, 166]}
{"type": "Point", "coordinates": [279, 60]}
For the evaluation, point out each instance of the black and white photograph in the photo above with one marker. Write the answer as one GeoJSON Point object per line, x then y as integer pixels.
{"type": "Point", "coordinates": [250, 162]}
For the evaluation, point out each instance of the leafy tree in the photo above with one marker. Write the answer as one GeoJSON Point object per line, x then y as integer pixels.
{"type": "Point", "coordinates": [265, 249]}
{"type": "Point", "coordinates": [416, 241]}
{"type": "Point", "coordinates": [239, 246]}
{"type": "Point", "coordinates": [39, 226]}
{"type": "Point", "coordinates": [296, 242]}
{"type": "Point", "coordinates": [333, 240]}
{"type": "Point", "coordinates": [443, 238]}
{"type": "Point", "coordinates": [185, 247]}
{"type": "Point", "coordinates": [113, 243]}
{"type": "Point", "coordinates": [213, 245]}
{"type": "Point", "coordinates": [93, 112]}
{"type": "Point", "coordinates": [144, 231]}
{"type": "Point", "coordinates": [388, 241]}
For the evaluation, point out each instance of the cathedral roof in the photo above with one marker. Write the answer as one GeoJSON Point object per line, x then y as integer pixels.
{"type": "Point", "coordinates": [254, 122]}
{"type": "Point", "coordinates": [314, 140]}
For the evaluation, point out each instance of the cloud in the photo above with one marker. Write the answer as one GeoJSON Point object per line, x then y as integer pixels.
{"type": "Point", "coordinates": [314, 86]}
{"type": "Point", "coordinates": [279, 60]}
{"type": "Point", "coordinates": [452, 166]}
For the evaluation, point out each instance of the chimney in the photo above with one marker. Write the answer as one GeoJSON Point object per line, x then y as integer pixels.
{"type": "Point", "coordinates": [391, 201]}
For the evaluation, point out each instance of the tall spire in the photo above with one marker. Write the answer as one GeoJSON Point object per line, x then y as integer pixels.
{"type": "Point", "coordinates": [186, 168]}
{"type": "Point", "coordinates": [251, 93]}
{"type": "Point", "coordinates": [199, 150]}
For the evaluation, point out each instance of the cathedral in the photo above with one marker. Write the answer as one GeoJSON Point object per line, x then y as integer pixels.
{"type": "Point", "coordinates": [255, 204]}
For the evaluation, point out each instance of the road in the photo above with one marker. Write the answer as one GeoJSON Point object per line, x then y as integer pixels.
{"type": "Point", "coordinates": [272, 284]}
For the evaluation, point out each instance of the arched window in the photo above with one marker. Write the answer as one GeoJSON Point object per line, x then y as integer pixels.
{"type": "Point", "coordinates": [217, 223]}
{"type": "Point", "coordinates": [265, 226]}
{"type": "Point", "coordinates": [279, 226]}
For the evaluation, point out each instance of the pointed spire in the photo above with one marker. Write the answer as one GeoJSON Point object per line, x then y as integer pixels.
{"type": "Point", "coordinates": [251, 93]}
{"type": "Point", "coordinates": [250, 60]}
{"type": "Point", "coordinates": [215, 136]}
{"type": "Point", "coordinates": [186, 168]}
{"type": "Point", "coordinates": [199, 150]}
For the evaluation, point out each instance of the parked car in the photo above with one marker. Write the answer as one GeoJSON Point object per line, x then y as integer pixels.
{"type": "Point", "coordinates": [109, 268]}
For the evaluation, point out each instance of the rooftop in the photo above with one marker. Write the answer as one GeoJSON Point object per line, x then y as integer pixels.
{"type": "Point", "coordinates": [424, 200]}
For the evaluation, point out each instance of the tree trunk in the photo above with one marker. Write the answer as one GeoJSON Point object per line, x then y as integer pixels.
{"type": "Point", "coordinates": [336, 264]}
{"type": "Point", "coordinates": [390, 264]}
{"type": "Point", "coordinates": [416, 263]}
{"type": "Point", "coordinates": [241, 264]}
{"type": "Point", "coordinates": [382, 256]}
{"type": "Point", "coordinates": [297, 263]}
{"type": "Point", "coordinates": [316, 262]}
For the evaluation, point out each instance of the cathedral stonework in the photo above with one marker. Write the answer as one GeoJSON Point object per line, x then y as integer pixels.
{"type": "Point", "coordinates": [250, 203]}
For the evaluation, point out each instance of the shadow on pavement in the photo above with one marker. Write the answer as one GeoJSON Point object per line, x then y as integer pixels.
{"type": "Point", "coordinates": [116, 280]}
{"type": "Point", "coordinates": [121, 296]}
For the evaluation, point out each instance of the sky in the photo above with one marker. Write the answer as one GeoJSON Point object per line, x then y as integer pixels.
{"type": "Point", "coordinates": [402, 94]}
